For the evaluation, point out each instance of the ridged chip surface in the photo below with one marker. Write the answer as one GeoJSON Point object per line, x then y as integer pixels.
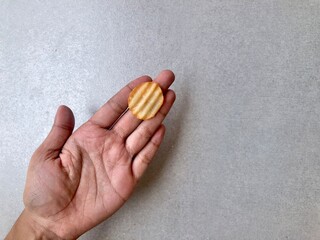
{"type": "Point", "coordinates": [145, 100]}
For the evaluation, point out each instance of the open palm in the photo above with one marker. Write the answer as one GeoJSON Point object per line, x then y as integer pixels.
{"type": "Point", "coordinates": [77, 180]}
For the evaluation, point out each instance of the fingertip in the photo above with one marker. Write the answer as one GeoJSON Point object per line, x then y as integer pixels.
{"type": "Point", "coordinates": [171, 95]}
{"type": "Point", "coordinates": [65, 117]}
{"type": "Point", "coordinates": [165, 79]}
{"type": "Point", "coordinates": [64, 108]}
{"type": "Point", "coordinates": [159, 134]}
{"type": "Point", "coordinates": [146, 78]}
{"type": "Point", "coordinates": [137, 81]}
{"type": "Point", "coordinates": [168, 73]}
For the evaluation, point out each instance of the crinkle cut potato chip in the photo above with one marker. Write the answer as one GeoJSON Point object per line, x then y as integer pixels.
{"type": "Point", "coordinates": [145, 100]}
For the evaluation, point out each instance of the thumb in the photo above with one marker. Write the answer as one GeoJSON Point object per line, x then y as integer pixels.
{"type": "Point", "coordinates": [60, 132]}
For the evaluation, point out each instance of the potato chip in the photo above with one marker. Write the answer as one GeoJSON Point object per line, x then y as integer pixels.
{"type": "Point", "coordinates": [145, 100]}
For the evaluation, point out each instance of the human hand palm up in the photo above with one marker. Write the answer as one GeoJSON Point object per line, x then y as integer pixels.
{"type": "Point", "coordinates": [77, 180]}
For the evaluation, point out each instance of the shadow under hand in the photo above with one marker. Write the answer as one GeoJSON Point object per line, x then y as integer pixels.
{"type": "Point", "coordinates": [174, 130]}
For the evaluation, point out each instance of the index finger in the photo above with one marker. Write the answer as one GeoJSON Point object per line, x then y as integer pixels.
{"type": "Point", "coordinates": [115, 106]}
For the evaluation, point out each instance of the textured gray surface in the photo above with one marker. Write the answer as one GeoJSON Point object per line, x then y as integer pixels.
{"type": "Point", "coordinates": [241, 159]}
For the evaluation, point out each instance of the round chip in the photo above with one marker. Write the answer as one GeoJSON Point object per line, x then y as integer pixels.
{"type": "Point", "coordinates": [145, 100]}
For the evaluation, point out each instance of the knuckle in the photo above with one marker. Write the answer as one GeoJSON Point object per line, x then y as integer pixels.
{"type": "Point", "coordinates": [146, 132]}
{"type": "Point", "coordinates": [130, 87]}
{"type": "Point", "coordinates": [119, 131]}
{"type": "Point", "coordinates": [130, 150]}
{"type": "Point", "coordinates": [63, 126]}
{"type": "Point", "coordinates": [145, 159]}
{"type": "Point", "coordinates": [116, 107]}
{"type": "Point", "coordinates": [156, 144]}
{"type": "Point", "coordinates": [163, 113]}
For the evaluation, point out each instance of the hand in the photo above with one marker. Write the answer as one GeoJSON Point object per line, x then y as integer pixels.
{"type": "Point", "coordinates": [77, 180]}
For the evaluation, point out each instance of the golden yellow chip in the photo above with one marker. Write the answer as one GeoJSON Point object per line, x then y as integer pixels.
{"type": "Point", "coordinates": [145, 100]}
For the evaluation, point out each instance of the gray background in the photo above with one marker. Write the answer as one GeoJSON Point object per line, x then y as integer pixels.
{"type": "Point", "coordinates": [241, 158]}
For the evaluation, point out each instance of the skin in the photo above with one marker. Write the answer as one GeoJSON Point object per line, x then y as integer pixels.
{"type": "Point", "coordinates": [78, 179]}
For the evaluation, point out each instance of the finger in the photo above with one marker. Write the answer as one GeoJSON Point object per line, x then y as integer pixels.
{"type": "Point", "coordinates": [128, 121]}
{"type": "Point", "coordinates": [144, 132]}
{"type": "Point", "coordinates": [60, 132]}
{"type": "Point", "coordinates": [114, 108]}
{"type": "Point", "coordinates": [165, 79]}
{"type": "Point", "coordinates": [143, 159]}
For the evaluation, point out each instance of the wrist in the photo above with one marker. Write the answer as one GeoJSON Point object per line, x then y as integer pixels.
{"type": "Point", "coordinates": [27, 228]}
